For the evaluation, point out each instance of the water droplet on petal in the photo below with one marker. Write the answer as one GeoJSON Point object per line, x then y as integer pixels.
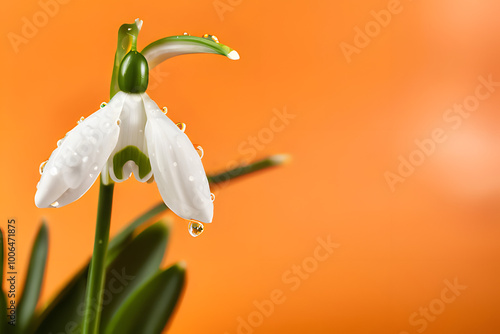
{"type": "Point", "coordinates": [212, 197]}
{"type": "Point", "coordinates": [59, 142]}
{"type": "Point", "coordinates": [181, 126]}
{"type": "Point", "coordinates": [55, 204]}
{"type": "Point", "coordinates": [165, 110]}
{"type": "Point", "coordinates": [191, 178]}
{"type": "Point", "coordinates": [174, 164]}
{"type": "Point", "coordinates": [200, 151]}
{"type": "Point", "coordinates": [53, 171]}
{"type": "Point", "coordinates": [80, 120]}
{"type": "Point", "coordinates": [195, 228]}
{"type": "Point", "coordinates": [102, 105]}
{"type": "Point", "coordinates": [118, 122]}
{"type": "Point", "coordinates": [212, 37]}
{"type": "Point", "coordinates": [186, 34]}
{"type": "Point", "coordinates": [42, 166]}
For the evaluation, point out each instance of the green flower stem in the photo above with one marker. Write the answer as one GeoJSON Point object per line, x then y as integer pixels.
{"type": "Point", "coordinates": [95, 282]}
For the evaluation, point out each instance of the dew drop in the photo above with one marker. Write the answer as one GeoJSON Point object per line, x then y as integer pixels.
{"type": "Point", "coordinates": [59, 142]}
{"type": "Point", "coordinates": [80, 120]}
{"type": "Point", "coordinates": [102, 105]}
{"type": "Point", "coordinates": [200, 151]}
{"type": "Point", "coordinates": [174, 164]}
{"type": "Point", "coordinates": [191, 178]}
{"type": "Point", "coordinates": [42, 166]}
{"type": "Point", "coordinates": [55, 204]}
{"type": "Point", "coordinates": [212, 37]}
{"type": "Point", "coordinates": [212, 197]}
{"type": "Point", "coordinates": [181, 126]}
{"type": "Point", "coordinates": [195, 228]}
{"type": "Point", "coordinates": [118, 122]}
{"type": "Point", "coordinates": [165, 110]}
{"type": "Point", "coordinates": [186, 34]}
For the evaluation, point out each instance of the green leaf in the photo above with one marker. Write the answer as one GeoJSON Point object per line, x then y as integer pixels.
{"type": "Point", "coordinates": [242, 170]}
{"type": "Point", "coordinates": [136, 264]}
{"type": "Point", "coordinates": [3, 300]}
{"type": "Point", "coordinates": [139, 259]}
{"type": "Point", "coordinates": [117, 244]}
{"type": "Point", "coordinates": [148, 309]}
{"type": "Point", "coordinates": [34, 279]}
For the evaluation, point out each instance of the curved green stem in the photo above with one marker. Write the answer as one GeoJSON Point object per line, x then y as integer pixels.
{"type": "Point", "coordinates": [95, 282]}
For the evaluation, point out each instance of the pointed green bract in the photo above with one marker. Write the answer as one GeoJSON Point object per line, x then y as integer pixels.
{"type": "Point", "coordinates": [172, 46]}
{"type": "Point", "coordinates": [34, 279]}
{"type": "Point", "coordinates": [127, 40]}
{"type": "Point", "coordinates": [148, 309]}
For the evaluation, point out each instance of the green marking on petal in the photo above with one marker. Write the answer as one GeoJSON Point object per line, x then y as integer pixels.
{"type": "Point", "coordinates": [131, 153]}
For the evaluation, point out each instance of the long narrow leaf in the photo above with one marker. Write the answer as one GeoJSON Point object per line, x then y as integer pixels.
{"type": "Point", "coordinates": [3, 300]}
{"type": "Point", "coordinates": [148, 310]}
{"type": "Point", "coordinates": [34, 279]}
{"type": "Point", "coordinates": [139, 260]}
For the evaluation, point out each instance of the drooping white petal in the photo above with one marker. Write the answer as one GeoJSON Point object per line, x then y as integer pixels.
{"type": "Point", "coordinates": [77, 161]}
{"type": "Point", "coordinates": [177, 167]}
{"type": "Point", "coordinates": [130, 154]}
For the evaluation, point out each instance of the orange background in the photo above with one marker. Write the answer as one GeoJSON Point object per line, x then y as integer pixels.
{"type": "Point", "coordinates": [352, 122]}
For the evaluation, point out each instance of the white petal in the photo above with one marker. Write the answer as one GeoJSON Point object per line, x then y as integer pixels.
{"type": "Point", "coordinates": [74, 166]}
{"type": "Point", "coordinates": [177, 167]}
{"type": "Point", "coordinates": [132, 124]}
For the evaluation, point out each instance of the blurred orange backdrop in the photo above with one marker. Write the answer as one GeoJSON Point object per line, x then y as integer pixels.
{"type": "Point", "coordinates": [366, 85]}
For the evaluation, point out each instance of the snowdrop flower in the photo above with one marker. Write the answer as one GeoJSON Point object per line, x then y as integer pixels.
{"type": "Point", "coordinates": [131, 134]}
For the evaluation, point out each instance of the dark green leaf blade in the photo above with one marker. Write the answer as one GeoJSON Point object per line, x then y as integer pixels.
{"type": "Point", "coordinates": [135, 265]}
{"type": "Point", "coordinates": [149, 308]}
{"type": "Point", "coordinates": [140, 258]}
{"type": "Point", "coordinates": [3, 300]}
{"type": "Point", "coordinates": [34, 279]}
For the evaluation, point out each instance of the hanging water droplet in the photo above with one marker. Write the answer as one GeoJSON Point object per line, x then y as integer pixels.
{"type": "Point", "coordinates": [55, 204]}
{"type": "Point", "coordinates": [212, 197]}
{"type": "Point", "coordinates": [165, 110]}
{"type": "Point", "coordinates": [186, 34]}
{"type": "Point", "coordinates": [42, 166]}
{"type": "Point", "coordinates": [102, 105]}
{"type": "Point", "coordinates": [200, 151]}
{"type": "Point", "coordinates": [195, 228]}
{"type": "Point", "coordinates": [205, 36]}
{"type": "Point", "coordinates": [181, 126]}
{"type": "Point", "coordinates": [59, 142]}
{"type": "Point", "coordinates": [80, 120]}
